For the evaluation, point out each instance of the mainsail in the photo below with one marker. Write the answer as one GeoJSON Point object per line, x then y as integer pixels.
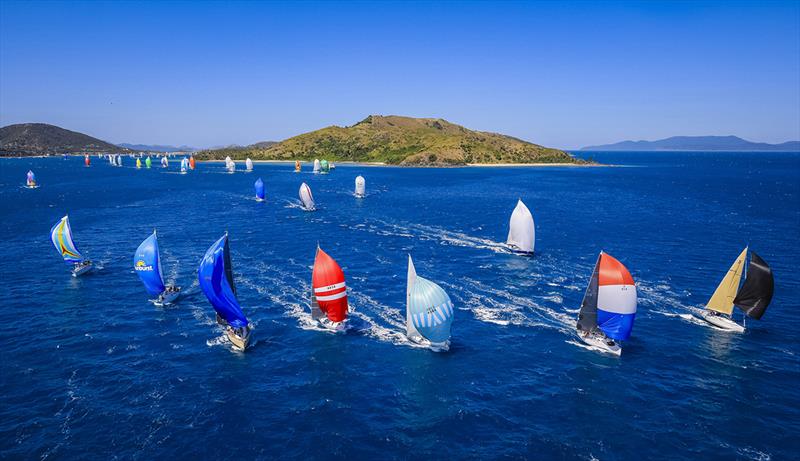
{"type": "Point", "coordinates": [147, 264]}
{"type": "Point", "coordinates": [361, 186]}
{"type": "Point", "coordinates": [610, 300]}
{"type": "Point", "coordinates": [722, 299]}
{"type": "Point", "coordinates": [61, 236]}
{"type": "Point", "coordinates": [521, 230]}
{"type": "Point", "coordinates": [259, 186]}
{"type": "Point", "coordinates": [215, 276]}
{"type": "Point", "coordinates": [756, 292]}
{"type": "Point", "coordinates": [248, 164]}
{"type": "Point", "coordinates": [306, 197]}
{"type": "Point", "coordinates": [429, 311]}
{"type": "Point", "coordinates": [328, 288]}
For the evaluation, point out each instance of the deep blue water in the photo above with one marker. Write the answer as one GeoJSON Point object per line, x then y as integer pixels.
{"type": "Point", "coordinates": [91, 370]}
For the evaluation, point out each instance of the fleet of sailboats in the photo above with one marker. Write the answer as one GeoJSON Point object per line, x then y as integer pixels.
{"type": "Point", "coordinates": [147, 264]}
{"type": "Point", "coordinates": [752, 297]}
{"type": "Point", "coordinates": [61, 236]}
{"type": "Point", "coordinates": [215, 277]}
{"type": "Point", "coordinates": [429, 312]}
{"type": "Point", "coordinates": [328, 293]}
{"type": "Point", "coordinates": [521, 230]}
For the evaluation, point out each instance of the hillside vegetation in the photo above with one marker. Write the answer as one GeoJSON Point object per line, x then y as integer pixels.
{"type": "Point", "coordinates": [41, 139]}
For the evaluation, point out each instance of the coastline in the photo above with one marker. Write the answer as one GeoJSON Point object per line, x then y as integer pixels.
{"type": "Point", "coordinates": [468, 165]}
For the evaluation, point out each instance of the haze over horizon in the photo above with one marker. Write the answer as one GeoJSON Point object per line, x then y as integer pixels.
{"type": "Point", "coordinates": [563, 75]}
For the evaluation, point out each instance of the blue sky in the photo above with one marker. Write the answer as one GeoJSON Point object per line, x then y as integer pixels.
{"type": "Point", "coordinates": [562, 74]}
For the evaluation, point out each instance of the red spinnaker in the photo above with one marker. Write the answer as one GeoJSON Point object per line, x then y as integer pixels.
{"type": "Point", "coordinates": [327, 281]}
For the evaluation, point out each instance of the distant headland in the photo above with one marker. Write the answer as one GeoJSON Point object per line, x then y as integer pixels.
{"type": "Point", "coordinates": [698, 143]}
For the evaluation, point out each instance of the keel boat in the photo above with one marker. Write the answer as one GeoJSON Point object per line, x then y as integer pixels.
{"type": "Point", "coordinates": [87, 161]}
{"type": "Point", "coordinates": [184, 165]}
{"type": "Point", "coordinates": [429, 312]}
{"type": "Point", "coordinates": [147, 264]}
{"type": "Point", "coordinates": [361, 187]}
{"type": "Point", "coordinates": [324, 167]}
{"type": "Point", "coordinates": [306, 198]}
{"type": "Point", "coordinates": [191, 162]}
{"type": "Point", "coordinates": [147, 162]}
{"type": "Point", "coordinates": [328, 293]}
{"type": "Point", "coordinates": [316, 166]}
{"type": "Point", "coordinates": [521, 230]}
{"type": "Point", "coordinates": [752, 297]}
{"type": "Point", "coordinates": [609, 306]}
{"type": "Point", "coordinates": [164, 162]}
{"type": "Point", "coordinates": [297, 167]}
{"type": "Point", "coordinates": [138, 162]}
{"type": "Point", "coordinates": [230, 165]}
{"type": "Point", "coordinates": [215, 276]}
{"type": "Point", "coordinates": [61, 236]}
{"type": "Point", "coordinates": [248, 164]}
{"type": "Point", "coordinates": [30, 180]}
{"type": "Point", "coordinates": [259, 186]}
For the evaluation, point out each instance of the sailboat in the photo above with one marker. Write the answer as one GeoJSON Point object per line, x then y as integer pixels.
{"type": "Point", "coordinates": [752, 297]}
{"type": "Point", "coordinates": [87, 161]}
{"type": "Point", "coordinates": [230, 165]}
{"type": "Point", "coordinates": [429, 312]}
{"type": "Point", "coordinates": [191, 162]}
{"type": "Point", "coordinates": [147, 264]}
{"type": "Point", "coordinates": [215, 276]}
{"type": "Point", "coordinates": [147, 162]}
{"type": "Point", "coordinates": [61, 236]}
{"type": "Point", "coordinates": [164, 161]}
{"type": "Point", "coordinates": [609, 306]}
{"type": "Point", "coordinates": [259, 185]}
{"type": "Point", "coordinates": [316, 166]}
{"type": "Point", "coordinates": [248, 164]}
{"type": "Point", "coordinates": [119, 160]}
{"type": "Point", "coordinates": [30, 180]}
{"type": "Point", "coordinates": [521, 231]}
{"type": "Point", "coordinates": [332, 166]}
{"type": "Point", "coordinates": [184, 165]}
{"type": "Point", "coordinates": [307, 198]}
{"type": "Point", "coordinates": [328, 293]}
{"type": "Point", "coordinates": [324, 167]}
{"type": "Point", "coordinates": [297, 167]}
{"type": "Point", "coordinates": [361, 185]}
{"type": "Point", "coordinates": [138, 162]}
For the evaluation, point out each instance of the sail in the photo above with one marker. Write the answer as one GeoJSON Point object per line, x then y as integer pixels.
{"type": "Point", "coordinates": [86, 160]}
{"type": "Point", "coordinates": [248, 164]}
{"type": "Point", "coordinates": [147, 264]}
{"type": "Point", "coordinates": [297, 165]}
{"type": "Point", "coordinates": [521, 230]}
{"type": "Point", "coordinates": [616, 298]}
{"type": "Point", "coordinates": [259, 185]}
{"type": "Point", "coordinates": [191, 162]}
{"type": "Point", "coordinates": [31, 178]}
{"type": "Point", "coordinates": [756, 292]}
{"type": "Point", "coordinates": [306, 197]}
{"type": "Point", "coordinates": [329, 288]}
{"type": "Point", "coordinates": [138, 162]}
{"type": "Point", "coordinates": [184, 164]}
{"type": "Point", "coordinates": [587, 317]}
{"type": "Point", "coordinates": [722, 299]}
{"type": "Point", "coordinates": [429, 311]}
{"type": "Point", "coordinates": [361, 186]}
{"type": "Point", "coordinates": [61, 236]}
{"type": "Point", "coordinates": [147, 162]}
{"type": "Point", "coordinates": [324, 167]}
{"type": "Point", "coordinates": [215, 276]}
{"type": "Point", "coordinates": [316, 165]}
{"type": "Point", "coordinates": [164, 161]}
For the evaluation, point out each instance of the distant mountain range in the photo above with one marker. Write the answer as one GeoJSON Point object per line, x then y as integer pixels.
{"type": "Point", "coordinates": [400, 140]}
{"type": "Point", "coordinates": [157, 147]}
{"type": "Point", "coordinates": [697, 143]}
{"type": "Point", "coordinates": [43, 139]}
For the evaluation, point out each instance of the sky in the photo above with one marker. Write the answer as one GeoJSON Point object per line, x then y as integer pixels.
{"type": "Point", "coordinates": [560, 74]}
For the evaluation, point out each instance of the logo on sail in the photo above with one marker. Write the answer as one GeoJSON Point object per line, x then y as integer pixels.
{"type": "Point", "coordinates": [142, 266]}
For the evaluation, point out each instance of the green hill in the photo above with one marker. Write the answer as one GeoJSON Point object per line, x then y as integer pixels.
{"type": "Point", "coordinates": [41, 138]}
{"type": "Point", "coordinates": [400, 141]}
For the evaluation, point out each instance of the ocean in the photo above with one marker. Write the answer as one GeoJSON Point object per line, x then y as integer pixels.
{"type": "Point", "coordinates": [92, 370]}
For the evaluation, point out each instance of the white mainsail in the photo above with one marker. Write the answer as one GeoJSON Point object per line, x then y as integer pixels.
{"type": "Point", "coordinates": [411, 331]}
{"type": "Point", "coordinates": [521, 231]}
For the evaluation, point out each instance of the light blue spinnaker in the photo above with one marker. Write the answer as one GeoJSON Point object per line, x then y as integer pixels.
{"type": "Point", "coordinates": [147, 264]}
{"type": "Point", "coordinates": [259, 185]}
{"type": "Point", "coordinates": [216, 280]}
{"type": "Point", "coordinates": [429, 311]}
{"type": "Point", "coordinates": [61, 236]}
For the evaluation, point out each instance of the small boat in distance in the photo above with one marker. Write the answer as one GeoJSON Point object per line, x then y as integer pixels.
{"type": "Point", "coordinates": [297, 167]}
{"type": "Point", "coordinates": [119, 160]}
{"type": "Point", "coordinates": [164, 162]}
{"type": "Point", "coordinates": [752, 297]}
{"type": "Point", "coordinates": [230, 165]}
{"type": "Point", "coordinates": [147, 264]}
{"type": "Point", "coordinates": [259, 186]}
{"type": "Point", "coordinates": [307, 198]}
{"type": "Point", "coordinates": [87, 161]}
{"type": "Point", "coordinates": [248, 164]}
{"type": "Point", "coordinates": [30, 180]}
{"type": "Point", "coordinates": [191, 162]}
{"type": "Point", "coordinates": [138, 162]}
{"type": "Point", "coordinates": [521, 230]}
{"type": "Point", "coordinates": [147, 162]}
{"type": "Point", "coordinates": [429, 312]}
{"type": "Point", "coordinates": [361, 186]}
{"type": "Point", "coordinates": [215, 276]}
{"type": "Point", "coordinates": [332, 166]}
{"type": "Point", "coordinates": [328, 293]}
{"type": "Point", "coordinates": [316, 166]}
{"type": "Point", "coordinates": [184, 165]}
{"type": "Point", "coordinates": [324, 167]}
{"type": "Point", "coordinates": [61, 236]}
{"type": "Point", "coordinates": [608, 307]}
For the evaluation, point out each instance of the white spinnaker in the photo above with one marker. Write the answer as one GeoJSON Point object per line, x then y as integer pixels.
{"type": "Point", "coordinates": [306, 197]}
{"type": "Point", "coordinates": [412, 278]}
{"type": "Point", "coordinates": [521, 231]}
{"type": "Point", "coordinates": [248, 164]}
{"type": "Point", "coordinates": [317, 166]}
{"type": "Point", "coordinates": [361, 186]}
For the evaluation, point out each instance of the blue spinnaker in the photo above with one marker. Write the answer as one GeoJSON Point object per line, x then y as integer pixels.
{"type": "Point", "coordinates": [147, 265]}
{"type": "Point", "coordinates": [216, 280]}
{"type": "Point", "coordinates": [259, 189]}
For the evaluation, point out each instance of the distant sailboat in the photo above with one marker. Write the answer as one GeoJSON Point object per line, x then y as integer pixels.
{"type": "Point", "coordinates": [521, 230]}
{"type": "Point", "coordinates": [147, 264]}
{"type": "Point", "coordinates": [184, 165]}
{"type": "Point", "coordinates": [328, 293]}
{"type": "Point", "coordinates": [30, 180]}
{"type": "Point", "coordinates": [215, 276]}
{"type": "Point", "coordinates": [316, 166]}
{"type": "Point", "coordinates": [609, 306]}
{"type": "Point", "coordinates": [429, 312]}
{"type": "Point", "coordinates": [248, 164]}
{"type": "Point", "coordinates": [61, 236]}
{"type": "Point", "coordinates": [164, 162]}
{"type": "Point", "coordinates": [332, 166]}
{"type": "Point", "coordinates": [752, 297]}
{"type": "Point", "coordinates": [361, 186]}
{"type": "Point", "coordinates": [230, 165]}
{"type": "Point", "coordinates": [87, 161]}
{"type": "Point", "coordinates": [297, 167]}
{"type": "Point", "coordinates": [147, 162]}
{"type": "Point", "coordinates": [259, 186]}
{"type": "Point", "coordinates": [138, 162]}
{"type": "Point", "coordinates": [307, 198]}
{"type": "Point", "coordinates": [119, 160]}
{"type": "Point", "coordinates": [324, 167]}
{"type": "Point", "coordinates": [191, 162]}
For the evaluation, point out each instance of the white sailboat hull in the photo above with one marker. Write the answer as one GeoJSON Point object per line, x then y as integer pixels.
{"type": "Point", "coordinates": [167, 298]}
{"type": "Point", "coordinates": [723, 322]}
{"type": "Point", "coordinates": [435, 347]}
{"type": "Point", "coordinates": [79, 270]}
{"type": "Point", "coordinates": [336, 327]}
{"type": "Point", "coordinates": [600, 343]}
{"type": "Point", "coordinates": [238, 342]}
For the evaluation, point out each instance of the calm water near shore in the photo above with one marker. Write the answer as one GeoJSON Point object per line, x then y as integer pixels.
{"type": "Point", "coordinates": [91, 370]}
